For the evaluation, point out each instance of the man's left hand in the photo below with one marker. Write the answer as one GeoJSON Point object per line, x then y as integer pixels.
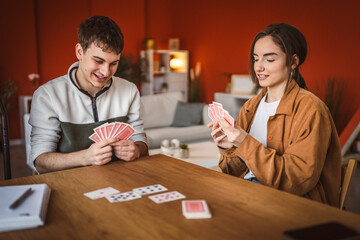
{"type": "Point", "coordinates": [126, 150]}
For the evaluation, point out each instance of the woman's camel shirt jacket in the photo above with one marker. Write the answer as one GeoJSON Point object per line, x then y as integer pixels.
{"type": "Point", "coordinates": [303, 154]}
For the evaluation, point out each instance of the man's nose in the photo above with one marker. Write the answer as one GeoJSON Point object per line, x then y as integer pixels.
{"type": "Point", "coordinates": [105, 70]}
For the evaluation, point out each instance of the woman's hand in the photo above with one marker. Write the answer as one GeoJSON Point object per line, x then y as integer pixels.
{"type": "Point", "coordinates": [225, 135]}
{"type": "Point", "coordinates": [218, 136]}
{"type": "Point", "coordinates": [234, 134]}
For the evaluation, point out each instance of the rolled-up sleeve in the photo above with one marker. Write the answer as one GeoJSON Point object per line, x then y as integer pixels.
{"type": "Point", "coordinates": [231, 164]}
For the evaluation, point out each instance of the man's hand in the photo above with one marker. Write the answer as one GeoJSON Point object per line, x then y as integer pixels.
{"type": "Point", "coordinates": [126, 150]}
{"type": "Point", "coordinates": [97, 154]}
{"type": "Point", "coordinates": [100, 153]}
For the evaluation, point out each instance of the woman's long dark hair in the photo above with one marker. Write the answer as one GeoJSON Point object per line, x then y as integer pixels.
{"type": "Point", "coordinates": [291, 41]}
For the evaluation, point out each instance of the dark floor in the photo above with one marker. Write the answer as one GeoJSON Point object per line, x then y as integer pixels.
{"type": "Point", "coordinates": [20, 169]}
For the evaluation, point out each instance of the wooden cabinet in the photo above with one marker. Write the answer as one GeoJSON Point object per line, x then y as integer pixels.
{"type": "Point", "coordinates": [166, 71]}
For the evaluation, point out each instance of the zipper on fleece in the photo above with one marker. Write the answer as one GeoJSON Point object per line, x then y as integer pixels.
{"type": "Point", "coordinates": [94, 109]}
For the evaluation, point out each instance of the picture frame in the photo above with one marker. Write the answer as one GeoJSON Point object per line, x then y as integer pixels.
{"type": "Point", "coordinates": [149, 44]}
{"type": "Point", "coordinates": [241, 84]}
{"type": "Point", "coordinates": [174, 43]}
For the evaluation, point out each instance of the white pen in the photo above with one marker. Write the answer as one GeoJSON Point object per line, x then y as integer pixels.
{"type": "Point", "coordinates": [21, 199]}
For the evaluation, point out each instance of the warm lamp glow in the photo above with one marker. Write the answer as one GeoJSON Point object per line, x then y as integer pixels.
{"type": "Point", "coordinates": [176, 63]}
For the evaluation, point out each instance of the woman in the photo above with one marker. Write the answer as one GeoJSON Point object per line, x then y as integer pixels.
{"type": "Point", "coordinates": [284, 137]}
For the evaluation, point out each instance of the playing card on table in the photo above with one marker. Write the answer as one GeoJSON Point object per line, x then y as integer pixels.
{"type": "Point", "coordinates": [150, 189]}
{"type": "Point", "coordinates": [166, 197]}
{"type": "Point", "coordinates": [122, 197]}
{"type": "Point", "coordinates": [103, 192]}
{"type": "Point", "coordinates": [195, 209]}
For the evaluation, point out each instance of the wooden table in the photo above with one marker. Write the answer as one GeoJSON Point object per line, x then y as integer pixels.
{"type": "Point", "coordinates": [240, 209]}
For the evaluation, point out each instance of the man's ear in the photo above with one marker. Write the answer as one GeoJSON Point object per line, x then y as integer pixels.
{"type": "Point", "coordinates": [295, 61]}
{"type": "Point", "coordinates": [79, 51]}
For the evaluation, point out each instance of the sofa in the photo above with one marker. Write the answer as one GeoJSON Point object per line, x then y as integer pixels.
{"type": "Point", "coordinates": [167, 116]}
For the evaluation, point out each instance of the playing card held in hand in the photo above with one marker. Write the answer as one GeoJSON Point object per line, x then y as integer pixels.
{"type": "Point", "coordinates": [119, 130]}
{"type": "Point", "coordinates": [216, 111]}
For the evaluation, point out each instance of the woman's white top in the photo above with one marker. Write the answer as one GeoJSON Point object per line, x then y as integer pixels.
{"type": "Point", "coordinates": [258, 129]}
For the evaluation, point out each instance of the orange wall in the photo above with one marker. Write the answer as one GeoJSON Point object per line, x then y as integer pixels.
{"type": "Point", "coordinates": [40, 37]}
{"type": "Point", "coordinates": [18, 53]}
{"type": "Point", "coordinates": [158, 20]}
{"type": "Point", "coordinates": [57, 23]}
{"type": "Point", "coordinates": [53, 28]}
{"type": "Point", "coordinates": [219, 34]}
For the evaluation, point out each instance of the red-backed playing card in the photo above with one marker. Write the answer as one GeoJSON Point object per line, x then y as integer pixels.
{"type": "Point", "coordinates": [126, 133]}
{"type": "Point", "coordinates": [121, 127]}
{"type": "Point", "coordinates": [108, 129]}
{"type": "Point", "coordinates": [219, 109]}
{"type": "Point", "coordinates": [95, 138]}
{"type": "Point", "coordinates": [115, 129]}
{"type": "Point", "coordinates": [229, 118]}
{"type": "Point", "coordinates": [98, 132]}
{"type": "Point", "coordinates": [211, 114]}
{"type": "Point", "coordinates": [195, 209]}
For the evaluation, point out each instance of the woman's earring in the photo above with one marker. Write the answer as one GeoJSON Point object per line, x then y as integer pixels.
{"type": "Point", "coordinates": [292, 73]}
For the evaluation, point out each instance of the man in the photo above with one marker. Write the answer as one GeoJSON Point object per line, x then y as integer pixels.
{"type": "Point", "coordinates": [65, 111]}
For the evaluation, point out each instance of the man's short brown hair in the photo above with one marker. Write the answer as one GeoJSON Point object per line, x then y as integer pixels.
{"type": "Point", "coordinates": [103, 32]}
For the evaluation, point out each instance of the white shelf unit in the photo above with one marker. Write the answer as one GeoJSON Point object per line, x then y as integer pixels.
{"type": "Point", "coordinates": [24, 107]}
{"type": "Point", "coordinates": [161, 77]}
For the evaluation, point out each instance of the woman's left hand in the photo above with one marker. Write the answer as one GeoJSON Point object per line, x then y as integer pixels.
{"type": "Point", "coordinates": [235, 134]}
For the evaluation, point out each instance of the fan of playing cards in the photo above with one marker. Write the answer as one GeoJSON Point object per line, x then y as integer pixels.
{"type": "Point", "coordinates": [216, 111]}
{"type": "Point", "coordinates": [117, 130]}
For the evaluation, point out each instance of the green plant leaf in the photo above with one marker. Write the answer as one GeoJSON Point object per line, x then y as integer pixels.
{"type": "Point", "coordinates": [6, 92]}
{"type": "Point", "coordinates": [133, 71]}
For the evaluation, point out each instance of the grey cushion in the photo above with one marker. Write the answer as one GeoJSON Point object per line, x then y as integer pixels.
{"type": "Point", "coordinates": [188, 114]}
{"type": "Point", "coordinates": [154, 106]}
